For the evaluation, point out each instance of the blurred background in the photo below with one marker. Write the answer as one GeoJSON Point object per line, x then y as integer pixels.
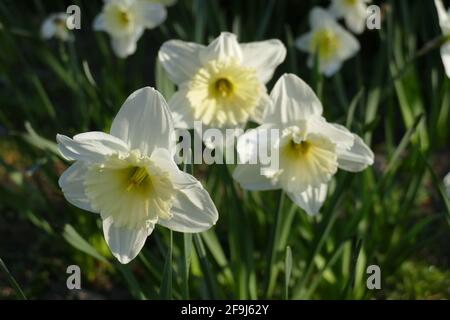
{"type": "Point", "coordinates": [394, 214]}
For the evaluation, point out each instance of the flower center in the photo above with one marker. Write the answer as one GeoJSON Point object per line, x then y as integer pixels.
{"type": "Point", "coordinates": [131, 189]}
{"type": "Point", "coordinates": [60, 23]}
{"type": "Point", "coordinates": [138, 178]}
{"type": "Point", "coordinates": [224, 87]}
{"type": "Point", "coordinates": [223, 93]}
{"type": "Point", "coordinates": [326, 43]}
{"type": "Point", "coordinates": [118, 19]}
{"type": "Point", "coordinates": [302, 147]}
{"type": "Point", "coordinates": [124, 17]}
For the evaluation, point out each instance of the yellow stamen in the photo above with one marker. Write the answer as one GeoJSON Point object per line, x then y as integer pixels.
{"type": "Point", "coordinates": [326, 42]}
{"type": "Point", "coordinates": [60, 23]}
{"type": "Point", "coordinates": [138, 176]}
{"type": "Point", "coordinates": [224, 93]}
{"type": "Point", "coordinates": [124, 17]}
{"type": "Point", "coordinates": [302, 147]}
{"type": "Point", "coordinates": [224, 87]}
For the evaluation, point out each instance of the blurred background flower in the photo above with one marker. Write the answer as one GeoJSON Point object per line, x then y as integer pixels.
{"type": "Point", "coordinates": [55, 26]}
{"type": "Point", "coordinates": [327, 42]}
{"type": "Point", "coordinates": [125, 22]}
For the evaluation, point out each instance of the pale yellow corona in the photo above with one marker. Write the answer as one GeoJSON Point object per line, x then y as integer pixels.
{"type": "Point", "coordinates": [306, 159]}
{"type": "Point", "coordinates": [326, 43]}
{"type": "Point", "coordinates": [224, 93]}
{"type": "Point", "coordinates": [130, 183]}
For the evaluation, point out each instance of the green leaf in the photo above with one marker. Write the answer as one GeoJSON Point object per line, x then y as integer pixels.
{"type": "Point", "coordinates": [166, 285]}
{"type": "Point", "coordinates": [287, 271]}
{"type": "Point", "coordinates": [39, 142]}
{"type": "Point", "coordinates": [12, 281]}
{"type": "Point", "coordinates": [78, 242]}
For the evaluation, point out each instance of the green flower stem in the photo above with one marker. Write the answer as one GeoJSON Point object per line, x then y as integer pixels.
{"type": "Point", "coordinates": [209, 276]}
{"type": "Point", "coordinates": [272, 249]}
{"type": "Point", "coordinates": [12, 281]}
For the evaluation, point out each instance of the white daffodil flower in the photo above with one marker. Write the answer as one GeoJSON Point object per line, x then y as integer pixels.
{"type": "Point", "coordinates": [328, 40]}
{"type": "Point", "coordinates": [130, 178]}
{"type": "Point", "coordinates": [447, 184]}
{"type": "Point", "coordinates": [56, 26]}
{"type": "Point", "coordinates": [125, 22]}
{"type": "Point", "coordinates": [444, 22]}
{"type": "Point", "coordinates": [222, 84]}
{"type": "Point", "coordinates": [310, 150]}
{"type": "Point", "coordinates": [354, 13]}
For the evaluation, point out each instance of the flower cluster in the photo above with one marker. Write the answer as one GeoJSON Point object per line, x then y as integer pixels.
{"type": "Point", "coordinates": [129, 176]}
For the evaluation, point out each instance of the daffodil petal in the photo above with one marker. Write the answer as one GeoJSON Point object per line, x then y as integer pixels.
{"type": "Point", "coordinates": [224, 47]}
{"type": "Point", "coordinates": [104, 141]}
{"type": "Point", "coordinates": [192, 209]}
{"type": "Point", "coordinates": [125, 243]}
{"type": "Point", "coordinates": [261, 109]}
{"type": "Point", "coordinates": [90, 146]}
{"type": "Point", "coordinates": [250, 178]}
{"type": "Point", "coordinates": [304, 42]}
{"type": "Point", "coordinates": [310, 200]}
{"type": "Point", "coordinates": [264, 56]}
{"type": "Point", "coordinates": [445, 55]}
{"type": "Point", "coordinates": [72, 185]}
{"type": "Point", "coordinates": [358, 158]}
{"type": "Point", "coordinates": [182, 111]}
{"type": "Point", "coordinates": [149, 15]}
{"type": "Point", "coordinates": [321, 18]}
{"type": "Point", "coordinates": [447, 184]}
{"type": "Point", "coordinates": [340, 135]}
{"type": "Point", "coordinates": [292, 100]}
{"type": "Point", "coordinates": [99, 23]}
{"type": "Point", "coordinates": [126, 45]}
{"type": "Point", "coordinates": [180, 59]}
{"type": "Point", "coordinates": [349, 46]}
{"type": "Point", "coordinates": [443, 15]}
{"type": "Point", "coordinates": [48, 29]}
{"type": "Point", "coordinates": [356, 20]}
{"type": "Point", "coordinates": [329, 68]}
{"type": "Point", "coordinates": [249, 142]}
{"type": "Point", "coordinates": [248, 173]}
{"type": "Point", "coordinates": [164, 160]}
{"type": "Point", "coordinates": [144, 122]}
